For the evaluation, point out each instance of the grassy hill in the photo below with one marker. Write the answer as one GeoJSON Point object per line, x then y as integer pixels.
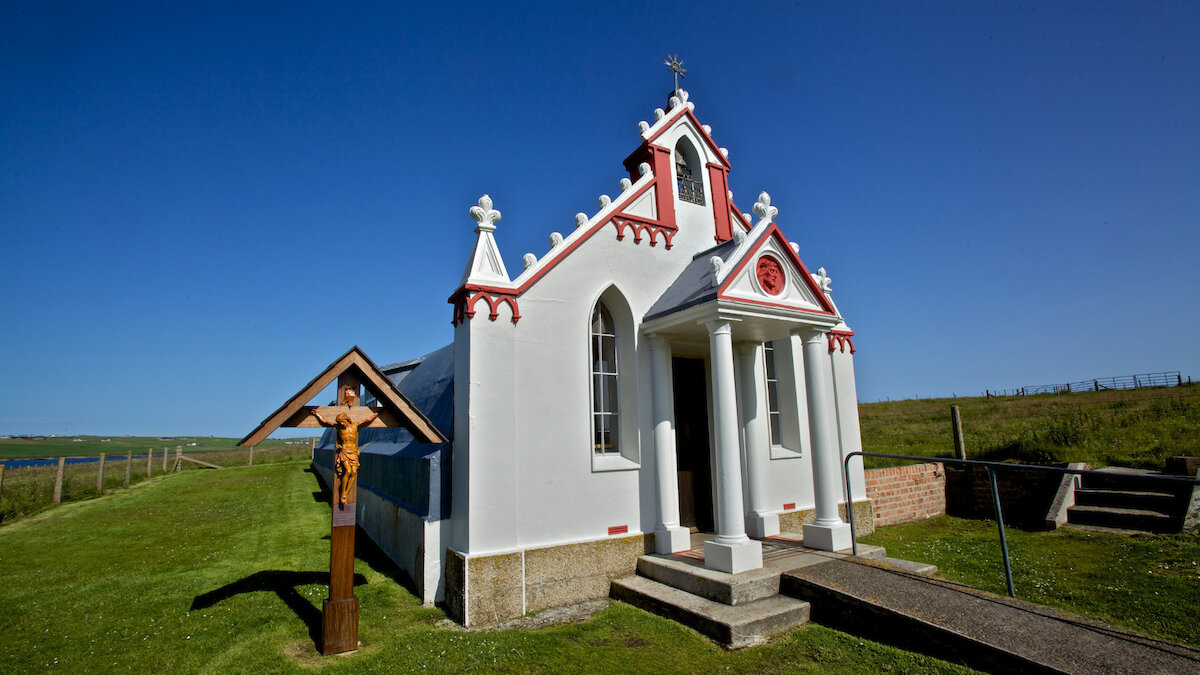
{"type": "Point", "coordinates": [1139, 427]}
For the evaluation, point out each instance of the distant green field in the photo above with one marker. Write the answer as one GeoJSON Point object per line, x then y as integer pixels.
{"type": "Point", "coordinates": [1138, 427]}
{"type": "Point", "coordinates": [90, 446]}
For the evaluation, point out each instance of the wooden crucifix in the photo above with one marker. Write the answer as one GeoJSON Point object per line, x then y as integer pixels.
{"type": "Point", "coordinates": [354, 372]}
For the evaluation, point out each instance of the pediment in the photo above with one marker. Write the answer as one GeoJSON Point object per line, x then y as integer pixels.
{"type": "Point", "coordinates": [771, 273]}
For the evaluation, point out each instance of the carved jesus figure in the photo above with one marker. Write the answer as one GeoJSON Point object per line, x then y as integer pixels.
{"type": "Point", "coordinates": [346, 463]}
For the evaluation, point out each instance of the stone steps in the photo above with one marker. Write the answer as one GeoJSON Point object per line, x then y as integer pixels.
{"type": "Point", "coordinates": [1164, 502]}
{"type": "Point", "coordinates": [1145, 520]}
{"type": "Point", "coordinates": [733, 626]}
{"type": "Point", "coordinates": [727, 589]}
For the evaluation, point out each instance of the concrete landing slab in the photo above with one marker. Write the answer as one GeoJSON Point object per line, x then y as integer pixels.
{"type": "Point", "coordinates": [732, 626]}
{"type": "Point", "coordinates": [984, 631]}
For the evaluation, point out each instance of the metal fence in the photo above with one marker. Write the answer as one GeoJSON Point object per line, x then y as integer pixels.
{"type": "Point", "coordinates": [1170, 378]}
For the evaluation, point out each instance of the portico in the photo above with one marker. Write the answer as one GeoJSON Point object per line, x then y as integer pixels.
{"type": "Point", "coordinates": [740, 295]}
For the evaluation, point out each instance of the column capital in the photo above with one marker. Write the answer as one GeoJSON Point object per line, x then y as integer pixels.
{"type": "Point", "coordinates": [812, 334]}
{"type": "Point", "coordinates": [719, 324]}
{"type": "Point", "coordinates": [658, 341]}
{"type": "Point", "coordinates": [746, 347]}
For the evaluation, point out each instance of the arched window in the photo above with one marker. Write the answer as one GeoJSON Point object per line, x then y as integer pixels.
{"type": "Point", "coordinates": [687, 173]}
{"type": "Point", "coordinates": [605, 411]}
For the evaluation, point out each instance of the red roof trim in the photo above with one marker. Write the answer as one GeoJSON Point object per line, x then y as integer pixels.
{"type": "Point", "coordinates": [773, 231]}
{"type": "Point", "coordinates": [618, 213]}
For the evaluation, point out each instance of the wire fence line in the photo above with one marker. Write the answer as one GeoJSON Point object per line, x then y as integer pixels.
{"type": "Point", "coordinates": [1057, 406]}
{"type": "Point", "coordinates": [27, 487]}
{"type": "Point", "coordinates": [1170, 378]}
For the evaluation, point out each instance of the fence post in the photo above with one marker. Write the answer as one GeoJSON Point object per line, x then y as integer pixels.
{"type": "Point", "coordinates": [250, 462]}
{"type": "Point", "coordinates": [100, 476]}
{"type": "Point", "coordinates": [165, 451]}
{"type": "Point", "coordinates": [178, 460]}
{"type": "Point", "coordinates": [987, 393]}
{"type": "Point", "coordinates": [128, 466]}
{"type": "Point", "coordinates": [960, 450]}
{"type": "Point", "coordinates": [58, 480]}
{"type": "Point", "coordinates": [1, 480]}
{"type": "Point", "coordinates": [312, 453]}
{"type": "Point", "coordinates": [149, 461]}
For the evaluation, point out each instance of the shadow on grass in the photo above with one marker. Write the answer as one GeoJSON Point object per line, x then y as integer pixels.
{"type": "Point", "coordinates": [364, 548]}
{"type": "Point", "coordinates": [283, 584]}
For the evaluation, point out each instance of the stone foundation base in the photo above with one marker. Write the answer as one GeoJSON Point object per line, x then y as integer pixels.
{"type": "Point", "coordinates": [864, 520]}
{"type": "Point", "coordinates": [487, 589]}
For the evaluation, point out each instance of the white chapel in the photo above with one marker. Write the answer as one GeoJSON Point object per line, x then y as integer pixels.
{"type": "Point", "coordinates": [670, 367]}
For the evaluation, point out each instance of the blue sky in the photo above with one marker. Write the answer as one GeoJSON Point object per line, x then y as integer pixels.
{"type": "Point", "coordinates": [203, 206]}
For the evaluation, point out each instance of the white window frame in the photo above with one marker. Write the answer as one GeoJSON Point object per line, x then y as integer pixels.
{"type": "Point", "coordinates": [623, 455]}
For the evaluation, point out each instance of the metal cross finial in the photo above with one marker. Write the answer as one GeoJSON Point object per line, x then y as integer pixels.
{"type": "Point", "coordinates": [675, 65]}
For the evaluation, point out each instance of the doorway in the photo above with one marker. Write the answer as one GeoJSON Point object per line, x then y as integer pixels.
{"type": "Point", "coordinates": [692, 453]}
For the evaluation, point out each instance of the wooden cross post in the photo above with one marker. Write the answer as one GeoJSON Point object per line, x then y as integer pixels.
{"type": "Point", "coordinates": [340, 610]}
{"type": "Point", "coordinates": [353, 371]}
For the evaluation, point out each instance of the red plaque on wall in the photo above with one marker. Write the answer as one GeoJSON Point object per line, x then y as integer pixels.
{"type": "Point", "coordinates": [770, 275]}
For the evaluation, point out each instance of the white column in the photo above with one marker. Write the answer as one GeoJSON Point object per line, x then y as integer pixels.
{"type": "Point", "coordinates": [761, 522]}
{"type": "Point", "coordinates": [669, 535]}
{"type": "Point", "coordinates": [829, 532]}
{"type": "Point", "coordinates": [732, 551]}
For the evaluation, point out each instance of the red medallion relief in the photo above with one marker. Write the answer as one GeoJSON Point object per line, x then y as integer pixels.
{"type": "Point", "coordinates": [770, 275]}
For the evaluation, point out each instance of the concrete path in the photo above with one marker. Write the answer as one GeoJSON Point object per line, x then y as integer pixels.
{"type": "Point", "coordinates": [979, 629]}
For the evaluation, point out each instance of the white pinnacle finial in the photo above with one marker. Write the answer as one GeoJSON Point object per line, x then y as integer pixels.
{"type": "Point", "coordinates": [529, 260]}
{"type": "Point", "coordinates": [717, 269]}
{"type": "Point", "coordinates": [823, 280]}
{"type": "Point", "coordinates": [581, 219]}
{"type": "Point", "coordinates": [763, 208]}
{"type": "Point", "coordinates": [485, 215]}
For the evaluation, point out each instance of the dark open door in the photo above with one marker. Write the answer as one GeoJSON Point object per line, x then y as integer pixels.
{"type": "Point", "coordinates": [692, 444]}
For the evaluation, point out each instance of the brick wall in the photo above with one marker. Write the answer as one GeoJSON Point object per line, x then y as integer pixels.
{"type": "Point", "coordinates": [903, 493]}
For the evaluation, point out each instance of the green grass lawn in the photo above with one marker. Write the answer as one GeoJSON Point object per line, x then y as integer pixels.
{"type": "Point", "coordinates": [1139, 427]}
{"type": "Point", "coordinates": [1147, 583]}
{"type": "Point", "coordinates": [219, 571]}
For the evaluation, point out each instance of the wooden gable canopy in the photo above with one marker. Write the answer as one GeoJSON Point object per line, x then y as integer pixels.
{"type": "Point", "coordinates": [354, 367]}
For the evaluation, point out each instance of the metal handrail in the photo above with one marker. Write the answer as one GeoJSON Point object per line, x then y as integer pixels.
{"type": "Point", "coordinates": [991, 467]}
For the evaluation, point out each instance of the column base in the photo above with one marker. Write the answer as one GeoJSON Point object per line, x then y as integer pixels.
{"type": "Point", "coordinates": [733, 558]}
{"type": "Point", "coordinates": [762, 526]}
{"type": "Point", "coordinates": [828, 537]}
{"type": "Point", "coordinates": [672, 540]}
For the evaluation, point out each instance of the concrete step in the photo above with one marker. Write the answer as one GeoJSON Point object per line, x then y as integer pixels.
{"type": "Point", "coordinates": [1165, 502]}
{"type": "Point", "coordinates": [917, 568]}
{"type": "Point", "coordinates": [727, 589]}
{"type": "Point", "coordinates": [733, 626]}
{"type": "Point", "coordinates": [1124, 518]}
{"type": "Point", "coordinates": [1121, 478]}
